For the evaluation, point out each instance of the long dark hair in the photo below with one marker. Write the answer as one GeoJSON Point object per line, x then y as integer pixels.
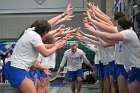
{"type": "Point", "coordinates": [41, 26]}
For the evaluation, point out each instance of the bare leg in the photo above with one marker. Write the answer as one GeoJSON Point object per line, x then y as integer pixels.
{"type": "Point", "coordinates": [113, 86]}
{"type": "Point", "coordinates": [45, 88]}
{"type": "Point", "coordinates": [40, 90]}
{"type": "Point", "coordinates": [134, 87]}
{"type": "Point", "coordinates": [101, 85]}
{"type": "Point", "coordinates": [0, 77]}
{"type": "Point", "coordinates": [79, 84]}
{"type": "Point", "coordinates": [107, 82]}
{"type": "Point", "coordinates": [122, 84]}
{"type": "Point", "coordinates": [73, 87]}
{"type": "Point", "coordinates": [27, 86]}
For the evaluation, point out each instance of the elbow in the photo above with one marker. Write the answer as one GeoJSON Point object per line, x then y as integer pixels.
{"type": "Point", "coordinates": [109, 37]}
{"type": "Point", "coordinates": [105, 46]}
{"type": "Point", "coordinates": [45, 55]}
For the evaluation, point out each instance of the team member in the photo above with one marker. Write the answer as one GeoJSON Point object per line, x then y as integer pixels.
{"type": "Point", "coordinates": [24, 55]}
{"type": "Point", "coordinates": [44, 75]}
{"type": "Point", "coordinates": [128, 52]}
{"type": "Point", "coordinates": [74, 58]}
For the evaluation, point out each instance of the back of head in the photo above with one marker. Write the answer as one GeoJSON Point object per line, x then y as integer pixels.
{"type": "Point", "coordinates": [49, 39]}
{"type": "Point", "coordinates": [41, 26]}
{"type": "Point", "coordinates": [125, 23]}
{"type": "Point", "coordinates": [118, 15]}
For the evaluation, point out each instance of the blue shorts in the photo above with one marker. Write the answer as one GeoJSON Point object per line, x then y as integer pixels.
{"type": "Point", "coordinates": [32, 74]}
{"type": "Point", "coordinates": [40, 74]}
{"type": "Point", "coordinates": [97, 69]}
{"type": "Point", "coordinates": [134, 75]}
{"type": "Point", "coordinates": [43, 74]}
{"type": "Point", "coordinates": [119, 70]}
{"type": "Point", "coordinates": [15, 75]}
{"type": "Point", "coordinates": [106, 70]}
{"type": "Point", "coordinates": [101, 71]}
{"type": "Point", "coordinates": [72, 75]}
{"type": "Point", "coordinates": [111, 67]}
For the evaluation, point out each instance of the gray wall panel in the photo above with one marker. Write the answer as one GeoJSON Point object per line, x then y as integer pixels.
{"type": "Point", "coordinates": [11, 26]}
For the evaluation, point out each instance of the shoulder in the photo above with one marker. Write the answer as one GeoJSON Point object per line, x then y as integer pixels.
{"type": "Point", "coordinates": [127, 33]}
{"type": "Point", "coordinates": [67, 51]}
{"type": "Point", "coordinates": [80, 50]}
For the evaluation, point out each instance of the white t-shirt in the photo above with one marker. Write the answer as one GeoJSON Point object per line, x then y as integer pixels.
{"type": "Point", "coordinates": [110, 52]}
{"type": "Point", "coordinates": [25, 53]}
{"type": "Point", "coordinates": [50, 60]}
{"type": "Point", "coordinates": [74, 60]}
{"type": "Point", "coordinates": [6, 60]}
{"type": "Point", "coordinates": [131, 48]}
{"type": "Point", "coordinates": [94, 48]}
{"type": "Point", "coordinates": [103, 54]}
{"type": "Point", "coordinates": [115, 29]}
{"type": "Point", "coordinates": [91, 41]}
{"type": "Point", "coordinates": [118, 53]}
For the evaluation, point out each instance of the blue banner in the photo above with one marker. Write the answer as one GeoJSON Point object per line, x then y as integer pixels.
{"type": "Point", "coordinates": [116, 5]}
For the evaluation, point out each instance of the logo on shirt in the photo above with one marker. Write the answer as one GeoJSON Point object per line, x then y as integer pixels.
{"type": "Point", "coordinates": [120, 47]}
{"type": "Point", "coordinates": [74, 58]}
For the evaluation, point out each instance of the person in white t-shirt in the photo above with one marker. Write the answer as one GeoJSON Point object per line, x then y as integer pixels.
{"type": "Point", "coordinates": [129, 52]}
{"type": "Point", "coordinates": [8, 57]}
{"type": "Point", "coordinates": [74, 57]}
{"type": "Point", "coordinates": [92, 20]}
{"type": "Point", "coordinates": [25, 53]}
{"type": "Point", "coordinates": [27, 49]}
{"type": "Point", "coordinates": [43, 77]}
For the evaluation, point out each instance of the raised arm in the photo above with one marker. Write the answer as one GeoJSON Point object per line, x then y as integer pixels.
{"type": "Point", "coordinates": [100, 15]}
{"type": "Point", "coordinates": [68, 12]}
{"type": "Point", "coordinates": [101, 25]}
{"type": "Point", "coordinates": [108, 37]}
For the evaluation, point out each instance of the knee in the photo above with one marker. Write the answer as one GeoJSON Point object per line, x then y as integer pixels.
{"type": "Point", "coordinates": [79, 79]}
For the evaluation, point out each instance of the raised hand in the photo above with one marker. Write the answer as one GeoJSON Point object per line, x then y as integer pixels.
{"type": "Point", "coordinates": [68, 14]}
{"type": "Point", "coordinates": [68, 17]}
{"type": "Point", "coordinates": [60, 43]}
{"type": "Point", "coordinates": [89, 15]}
{"type": "Point", "coordinates": [68, 37]}
{"type": "Point", "coordinates": [89, 26]}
